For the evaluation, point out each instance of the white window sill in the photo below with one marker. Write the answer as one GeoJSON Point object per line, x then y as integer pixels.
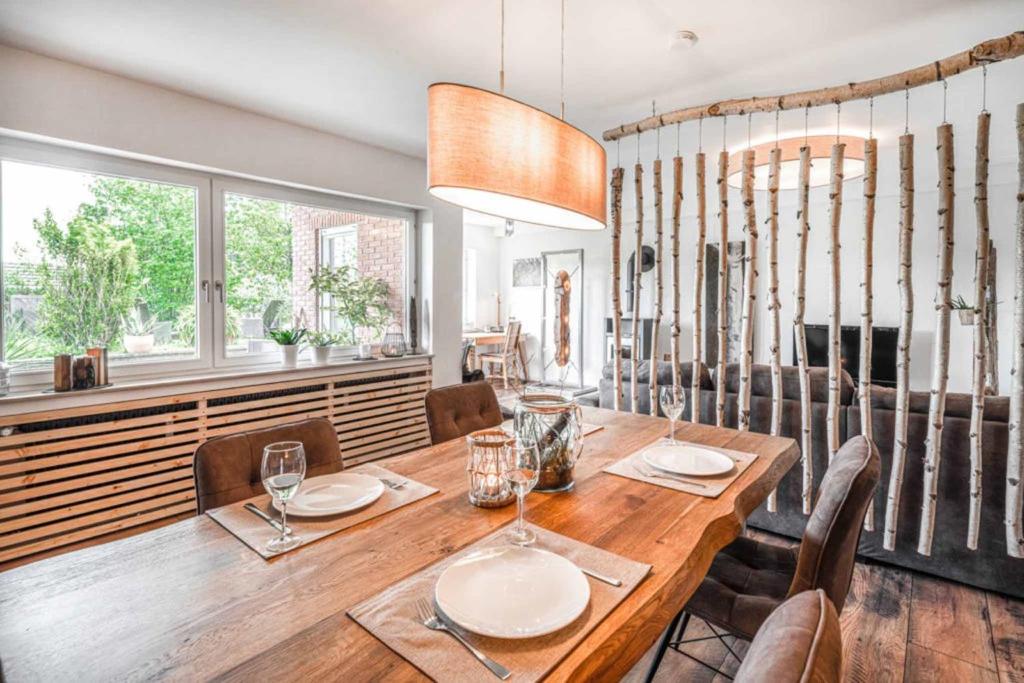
{"type": "Point", "coordinates": [35, 400]}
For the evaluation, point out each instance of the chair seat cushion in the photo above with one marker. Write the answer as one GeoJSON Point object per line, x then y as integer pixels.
{"type": "Point", "coordinates": [747, 580]}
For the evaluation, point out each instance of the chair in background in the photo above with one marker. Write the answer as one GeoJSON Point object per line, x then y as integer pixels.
{"type": "Point", "coordinates": [457, 410]}
{"type": "Point", "coordinates": [800, 641]}
{"type": "Point", "coordinates": [468, 375]}
{"type": "Point", "coordinates": [508, 357]}
{"type": "Point", "coordinates": [748, 579]}
{"type": "Point", "coordinates": [227, 468]}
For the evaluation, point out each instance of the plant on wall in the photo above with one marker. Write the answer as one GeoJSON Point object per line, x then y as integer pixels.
{"type": "Point", "coordinates": [358, 302]}
{"type": "Point", "coordinates": [90, 282]}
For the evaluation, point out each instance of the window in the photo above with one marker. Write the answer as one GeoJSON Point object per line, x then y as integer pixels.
{"type": "Point", "coordinates": [469, 288]}
{"type": "Point", "coordinates": [93, 259]}
{"type": "Point", "coordinates": [177, 270]}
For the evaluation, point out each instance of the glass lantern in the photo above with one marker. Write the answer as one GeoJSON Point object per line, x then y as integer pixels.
{"type": "Point", "coordinates": [487, 488]}
{"type": "Point", "coordinates": [393, 344]}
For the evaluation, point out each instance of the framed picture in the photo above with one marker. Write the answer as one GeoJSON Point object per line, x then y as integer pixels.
{"type": "Point", "coordinates": [526, 272]}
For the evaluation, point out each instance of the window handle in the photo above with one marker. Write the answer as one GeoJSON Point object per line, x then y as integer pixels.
{"type": "Point", "coordinates": [205, 286]}
{"type": "Point", "coordinates": [219, 286]}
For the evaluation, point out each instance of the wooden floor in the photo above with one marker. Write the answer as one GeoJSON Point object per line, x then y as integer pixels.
{"type": "Point", "coordinates": [898, 625]}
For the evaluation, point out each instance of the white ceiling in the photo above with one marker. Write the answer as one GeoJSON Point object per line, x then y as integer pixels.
{"type": "Point", "coordinates": [360, 68]}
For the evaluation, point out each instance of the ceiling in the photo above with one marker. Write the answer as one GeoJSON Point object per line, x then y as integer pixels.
{"type": "Point", "coordinates": [360, 69]}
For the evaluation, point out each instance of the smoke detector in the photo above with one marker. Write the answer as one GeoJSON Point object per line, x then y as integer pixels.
{"type": "Point", "coordinates": [684, 40]}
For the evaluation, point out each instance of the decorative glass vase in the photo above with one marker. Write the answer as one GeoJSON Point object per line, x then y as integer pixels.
{"type": "Point", "coordinates": [555, 423]}
{"type": "Point", "coordinates": [487, 488]}
{"type": "Point", "coordinates": [393, 344]}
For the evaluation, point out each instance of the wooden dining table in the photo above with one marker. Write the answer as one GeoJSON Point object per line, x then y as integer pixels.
{"type": "Point", "coordinates": [191, 602]}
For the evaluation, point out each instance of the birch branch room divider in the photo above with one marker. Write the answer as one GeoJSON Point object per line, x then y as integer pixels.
{"type": "Point", "coordinates": [940, 228]}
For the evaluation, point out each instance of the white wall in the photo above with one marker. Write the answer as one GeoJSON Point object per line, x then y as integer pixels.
{"type": "Point", "coordinates": [482, 238]}
{"type": "Point", "coordinates": [61, 101]}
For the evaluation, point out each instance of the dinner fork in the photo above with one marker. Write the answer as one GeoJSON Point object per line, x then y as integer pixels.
{"type": "Point", "coordinates": [392, 484]}
{"type": "Point", "coordinates": [430, 618]}
{"type": "Point", "coordinates": [649, 472]}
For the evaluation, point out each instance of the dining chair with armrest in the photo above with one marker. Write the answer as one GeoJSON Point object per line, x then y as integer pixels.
{"type": "Point", "coordinates": [508, 357]}
{"type": "Point", "coordinates": [748, 579]}
{"type": "Point", "coordinates": [227, 468]}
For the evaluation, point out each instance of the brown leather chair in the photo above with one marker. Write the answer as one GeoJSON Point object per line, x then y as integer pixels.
{"type": "Point", "coordinates": [227, 468]}
{"type": "Point", "coordinates": [800, 641]}
{"type": "Point", "coordinates": [460, 409]}
{"type": "Point", "coordinates": [748, 579]}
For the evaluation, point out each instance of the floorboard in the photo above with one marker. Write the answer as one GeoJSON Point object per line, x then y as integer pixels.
{"type": "Point", "coordinates": [1006, 616]}
{"type": "Point", "coordinates": [875, 621]}
{"type": "Point", "coordinates": [928, 665]}
{"type": "Point", "coordinates": [952, 619]}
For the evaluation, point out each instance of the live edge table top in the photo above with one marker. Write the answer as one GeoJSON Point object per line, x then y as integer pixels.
{"type": "Point", "coordinates": [189, 601]}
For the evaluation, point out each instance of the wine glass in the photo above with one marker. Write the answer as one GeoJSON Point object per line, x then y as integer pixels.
{"type": "Point", "coordinates": [673, 402]}
{"type": "Point", "coordinates": [283, 468]}
{"type": "Point", "coordinates": [521, 470]}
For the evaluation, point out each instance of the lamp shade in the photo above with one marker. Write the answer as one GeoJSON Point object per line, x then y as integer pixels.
{"type": "Point", "coordinates": [495, 155]}
{"type": "Point", "coordinates": [789, 166]}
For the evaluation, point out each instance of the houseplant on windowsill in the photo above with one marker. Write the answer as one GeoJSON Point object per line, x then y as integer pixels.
{"type": "Point", "coordinates": [138, 333]}
{"type": "Point", "coordinates": [322, 343]}
{"type": "Point", "coordinates": [288, 340]}
{"type": "Point", "coordinates": [358, 303]}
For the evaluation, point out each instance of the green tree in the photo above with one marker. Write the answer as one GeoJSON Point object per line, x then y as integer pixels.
{"type": "Point", "coordinates": [258, 258]}
{"type": "Point", "coordinates": [160, 220]}
{"type": "Point", "coordinates": [358, 302]}
{"type": "Point", "coordinates": [90, 282]}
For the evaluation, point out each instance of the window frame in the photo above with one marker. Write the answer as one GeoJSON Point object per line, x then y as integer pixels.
{"type": "Point", "coordinates": [209, 249]}
{"type": "Point", "coordinates": [85, 161]}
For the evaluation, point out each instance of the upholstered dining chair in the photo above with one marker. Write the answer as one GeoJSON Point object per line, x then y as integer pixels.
{"type": "Point", "coordinates": [508, 357]}
{"type": "Point", "coordinates": [748, 579]}
{"type": "Point", "coordinates": [468, 375]}
{"type": "Point", "coordinates": [227, 468]}
{"type": "Point", "coordinates": [460, 409]}
{"type": "Point", "coordinates": [800, 641]}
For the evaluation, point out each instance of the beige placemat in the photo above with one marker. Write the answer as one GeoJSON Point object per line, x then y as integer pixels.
{"type": "Point", "coordinates": [586, 427]}
{"type": "Point", "coordinates": [709, 487]}
{"type": "Point", "coordinates": [391, 616]}
{"type": "Point", "coordinates": [256, 533]}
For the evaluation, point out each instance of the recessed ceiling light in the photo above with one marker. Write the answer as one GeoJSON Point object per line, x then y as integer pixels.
{"type": "Point", "coordinates": [684, 40]}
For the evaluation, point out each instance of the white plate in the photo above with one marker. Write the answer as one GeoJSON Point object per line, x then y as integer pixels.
{"type": "Point", "coordinates": [687, 459]}
{"type": "Point", "coordinates": [333, 494]}
{"type": "Point", "coordinates": [512, 592]}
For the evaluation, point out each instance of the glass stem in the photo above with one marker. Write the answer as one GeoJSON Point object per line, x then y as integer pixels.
{"type": "Point", "coordinates": [284, 519]}
{"type": "Point", "coordinates": [672, 430]}
{"type": "Point", "coordinates": [519, 498]}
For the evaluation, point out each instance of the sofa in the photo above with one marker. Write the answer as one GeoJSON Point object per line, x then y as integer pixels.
{"type": "Point", "coordinates": [988, 567]}
{"type": "Point", "coordinates": [606, 387]}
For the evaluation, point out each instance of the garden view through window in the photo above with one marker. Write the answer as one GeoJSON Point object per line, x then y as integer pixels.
{"type": "Point", "coordinates": [95, 259]}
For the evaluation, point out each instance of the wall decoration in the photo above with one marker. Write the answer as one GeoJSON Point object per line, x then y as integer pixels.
{"type": "Point", "coordinates": [527, 272]}
{"type": "Point", "coordinates": [562, 330]}
{"type": "Point", "coordinates": [725, 289]}
{"type": "Point", "coordinates": [616, 281]}
{"type": "Point", "coordinates": [1015, 451]}
{"type": "Point", "coordinates": [652, 383]}
{"type": "Point", "coordinates": [991, 325]}
{"type": "Point", "coordinates": [834, 297]}
{"type": "Point", "coordinates": [867, 302]}
{"type": "Point", "coordinates": [799, 309]}
{"type": "Point", "coordinates": [634, 368]}
{"type": "Point", "coordinates": [677, 209]}
{"type": "Point", "coordinates": [698, 287]}
{"type": "Point", "coordinates": [749, 293]}
{"type": "Point", "coordinates": [775, 345]}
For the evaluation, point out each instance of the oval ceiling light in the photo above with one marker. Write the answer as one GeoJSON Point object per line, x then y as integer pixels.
{"type": "Point", "coordinates": [789, 168]}
{"type": "Point", "coordinates": [498, 156]}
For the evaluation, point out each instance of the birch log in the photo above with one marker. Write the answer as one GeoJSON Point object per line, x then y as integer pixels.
{"type": "Point", "coordinates": [867, 302]}
{"type": "Point", "coordinates": [698, 291]}
{"type": "Point", "coordinates": [905, 284]}
{"type": "Point", "coordinates": [749, 292]}
{"type": "Point", "coordinates": [659, 289]}
{"type": "Point", "coordinates": [799, 308]}
{"type": "Point", "coordinates": [774, 305]}
{"type": "Point", "coordinates": [1015, 456]}
{"type": "Point", "coordinates": [677, 209]}
{"type": "Point", "coordinates": [834, 364]}
{"type": "Point", "coordinates": [940, 355]}
{"type": "Point", "coordinates": [635, 348]}
{"type": "Point", "coordinates": [723, 284]}
{"type": "Point", "coordinates": [980, 282]}
{"type": "Point", "coordinates": [616, 277]}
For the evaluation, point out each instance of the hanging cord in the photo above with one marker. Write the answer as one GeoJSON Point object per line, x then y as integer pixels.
{"type": "Point", "coordinates": [984, 88]}
{"type": "Point", "coordinates": [725, 120]}
{"type": "Point", "coordinates": [750, 115]}
{"type": "Point", "coordinates": [871, 118]}
{"type": "Point", "coordinates": [945, 91]}
{"type": "Point", "coordinates": [501, 70]}
{"type": "Point", "coordinates": [700, 133]}
{"type": "Point", "coordinates": [638, 146]}
{"type": "Point", "coordinates": [654, 112]}
{"type": "Point", "coordinates": [776, 129]}
{"type": "Point", "coordinates": [562, 81]}
{"type": "Point", "coordinates": [906, 114]}
{"type": "Point", "coordinates": [807, 114]}
{"type": "Point", "coordinates": [677, 139]}
{"type": "Point", "coordinates": [618, 152]}
{"type": "Point", "coordinates": [838, 108]}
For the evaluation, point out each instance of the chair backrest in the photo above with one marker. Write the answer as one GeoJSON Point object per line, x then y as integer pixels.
{"type": "Point", "coordinates": [227, 468]}
{"type": "Point", "coordinates": [800, 641]}
{"type": "Point", "coordinates": [512, 337]}
{"type": "Point", "coordinates": [459, 409]}
{"type": "Point", "coordinates": [466, 346]}
{"type": "Point", "coordinates": [829, 545]}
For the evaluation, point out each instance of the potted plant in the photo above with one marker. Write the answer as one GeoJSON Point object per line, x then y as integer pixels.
{"type": "Point", "coordinates": [964, 310]}
{"type": "Point", "coordinates": [322, 342]}
{"type": "Point", "coordinates": [359, 303]}
{"type": "Point", "coordinates": [138, 333]}
{"type": "Point", "coordinates": [288, 340]}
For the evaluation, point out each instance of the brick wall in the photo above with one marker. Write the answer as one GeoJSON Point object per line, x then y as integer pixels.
{"type": "Point", "coordinates": [380, 254]}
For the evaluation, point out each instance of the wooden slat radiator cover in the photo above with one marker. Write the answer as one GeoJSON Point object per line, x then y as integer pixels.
{"type": "Point", "coordinates": [87, 474]}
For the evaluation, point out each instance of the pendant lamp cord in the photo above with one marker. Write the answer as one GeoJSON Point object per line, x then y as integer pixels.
{"type": "Point", "coordinates": [501, 71]}
{"type": "Point", "coordinates": [562, 76]}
